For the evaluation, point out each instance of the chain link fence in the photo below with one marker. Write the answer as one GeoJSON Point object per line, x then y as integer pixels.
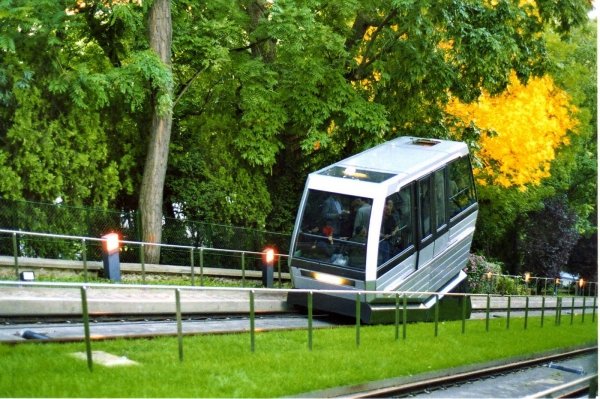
{"type": "Point", "coordinates": [90, 222]}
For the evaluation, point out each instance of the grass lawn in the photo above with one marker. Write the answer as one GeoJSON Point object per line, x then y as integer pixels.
{"type": "Point", "coordinates": [281, 365]}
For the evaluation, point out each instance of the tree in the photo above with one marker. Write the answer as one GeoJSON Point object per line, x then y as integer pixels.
{"type": "Point", "coordinates": [550, 235]}
{"type": "Point", "coordinates": [518, 135]}
{"type": "Point", "coordinates": [155, 167]}
{"type": "Point", "coordinates": [584, 258]}
{"type": "Point", "coordinates": [261, 91]}
{"type": "Point", "coordinates": [567, 169]}
{"type": "Point", "coordinates": [53, 137]}
{"type": "Point", "coordinates": [575, 172]}
{"type": "Point", "coordinates": [521, 131]}
{"type": "Point", "coordinates": [305, 84]}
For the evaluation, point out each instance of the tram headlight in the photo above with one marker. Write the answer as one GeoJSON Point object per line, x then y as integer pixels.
{"type": "Point", "coordinates": [330, 279]}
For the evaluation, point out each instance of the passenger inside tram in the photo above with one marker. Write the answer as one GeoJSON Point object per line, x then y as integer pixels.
{"type": "Point", "coordinates": [390, 230]}
{"type": "Point", "coordinates": [334, 229]}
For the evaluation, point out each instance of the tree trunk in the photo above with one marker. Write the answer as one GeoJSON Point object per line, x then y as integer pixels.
{"type": "Point", "coordinates": [155, 168]}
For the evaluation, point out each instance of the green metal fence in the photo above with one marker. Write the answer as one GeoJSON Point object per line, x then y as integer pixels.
{"type": "Point", "coordinates": [564, 307]}
{"type": "Point", "coordinates": [194, 260]}
{"type": "Point", "coordinates": [505, 284]}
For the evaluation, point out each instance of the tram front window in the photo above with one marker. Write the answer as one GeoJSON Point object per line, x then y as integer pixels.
{"type": "Point", "coordinates": [334, 229]}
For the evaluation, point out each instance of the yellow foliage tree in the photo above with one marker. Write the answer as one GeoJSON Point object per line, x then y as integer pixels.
{"type": "Point", "coordinates": [521, 130]}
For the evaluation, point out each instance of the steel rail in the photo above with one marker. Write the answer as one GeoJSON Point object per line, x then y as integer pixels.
{"type": "Point", "coordinates": [439, 381]}
{"type": "Point", "coordinates": [577, 386]}
{"type": "Point", "coordinates": [166, 326]}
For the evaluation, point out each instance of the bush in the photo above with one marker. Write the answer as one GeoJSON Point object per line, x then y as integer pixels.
{"type": "Point", "coordinates": [479, 280]}
{"type": "Point", "coordinates": [477, 271]}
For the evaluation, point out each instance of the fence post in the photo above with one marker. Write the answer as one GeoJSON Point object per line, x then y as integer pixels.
{"type": "Point", "coordinates": [309, 304]}
{"type": "Point", "coordinates": [436, 314]}
{"type": "Point", "coordinates": [179, 326]}
{"type": "Point", "coordinates": [16, 254]}
{"type": "Point", "coordinates": [543, 309]}
{"type": "Point", "coordinates": [397, 316]}
{"type": "Point", "coordinates": [560, 311]}
{"type": "Point", "coordinates": [243, 269]}
{"type": "Point", "coordinates": [192, 265]}
{"type": "Point", "coordinates": [508, 312]}
{"type": "Point", "coordinates": [143, 262]}
{"type": "Point", "coordinates": [252, 324]}
{"type": "Point", "coordinates": [487, 314]}
{"type": "Point", "coordinates": [464, 312]}
{"type": "Point", "coordinates": [404, 311]}
{"type": "Point", "coordinates": [583, 311]}
{"type": "Point", "coordinates": [84, 256]}
{"type": "Point", "coordinates": [279, 270]}
{"type": "Point", "coordinates": [526, 312]}
{"type": "Point", "coordinates": [201, 265]}
{"type": "Point", "coordinates": [358, 319]}
{"type": "Point", "coordinates": [594, 311]}
{"type": "Point", "coordinates": [86, 327]}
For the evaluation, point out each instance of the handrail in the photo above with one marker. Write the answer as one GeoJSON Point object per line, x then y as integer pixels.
{"type": "Point", "coordinates": [176, 246]}
{"type": "Point", "coordinates": [532, 281]}
{"type": "Point", "coordinates": [548, 393]}
{"type": "Point", "coordinates": [201, 249]}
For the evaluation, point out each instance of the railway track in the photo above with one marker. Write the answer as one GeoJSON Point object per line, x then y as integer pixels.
{"type": "Point", "coordinates": [108, 327]}
{"type": "Point", "coordinates": [522, 378]}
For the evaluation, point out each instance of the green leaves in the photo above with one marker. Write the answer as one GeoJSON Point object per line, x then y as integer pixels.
{"type": "Point", "coordinates": [265, 91]}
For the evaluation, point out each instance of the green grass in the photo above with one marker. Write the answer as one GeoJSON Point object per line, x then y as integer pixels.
{"type": "Point", "coordinates": [281, 365]}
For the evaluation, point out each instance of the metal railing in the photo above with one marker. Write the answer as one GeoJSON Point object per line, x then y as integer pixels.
{"type": "Point", "coordinates": [196, 258]}
{"type": "Point", "coordinates": [495, 283]}
{"type": "Point", "coordinates": [177, 228]}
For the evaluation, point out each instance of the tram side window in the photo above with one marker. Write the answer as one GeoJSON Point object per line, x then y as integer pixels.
{"type": "Point", "coordinates": [440, 198]}
{"type": "Point", "coordinates": [461, 189]}
{"type": "Point", "coordinates": [425, 206]}
{"type": "Point", "coordinates": [396, 225]}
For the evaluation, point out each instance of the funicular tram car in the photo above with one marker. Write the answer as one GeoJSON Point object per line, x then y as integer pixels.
{"type": "Point", "coordinates": [397, 217]}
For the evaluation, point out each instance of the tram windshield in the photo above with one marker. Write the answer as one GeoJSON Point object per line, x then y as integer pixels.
{"type": "Point", "coordinates": [334, 229]}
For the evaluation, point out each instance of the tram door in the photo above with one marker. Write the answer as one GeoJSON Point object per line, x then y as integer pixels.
{"type": "Point", "coordinates": [425, 235]}
{"type": "Point", "coordinates": [440, 213]}
{"type": "Point", "coordinates": [432, 216]}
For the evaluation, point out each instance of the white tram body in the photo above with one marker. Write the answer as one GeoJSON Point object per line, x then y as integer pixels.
{"type": "Point", "coordinates": [397, 217]}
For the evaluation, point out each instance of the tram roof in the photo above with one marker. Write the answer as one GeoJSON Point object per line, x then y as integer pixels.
{"type": "Point", "coordinates": [402, 156]}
